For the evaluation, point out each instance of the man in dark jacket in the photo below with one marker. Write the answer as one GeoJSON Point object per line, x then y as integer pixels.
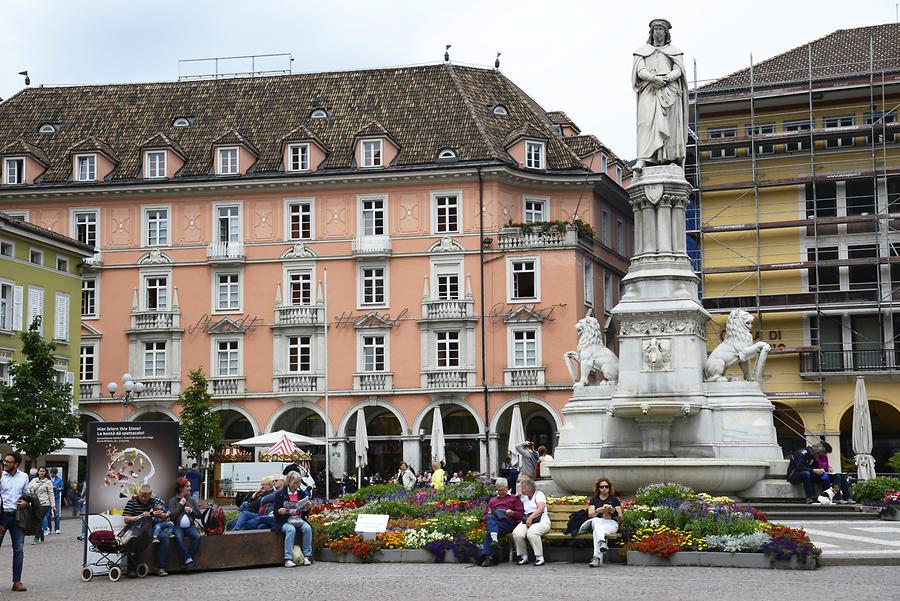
{"type": "Point", "coordinates": [14, 486]}
{"type": "Point", "coordinates": [803, 468]}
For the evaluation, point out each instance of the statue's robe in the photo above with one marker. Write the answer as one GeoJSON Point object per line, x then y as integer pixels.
{"type": "Point", "coordinates": [661, 112]}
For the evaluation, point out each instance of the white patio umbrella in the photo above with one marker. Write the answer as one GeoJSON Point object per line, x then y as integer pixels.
{"type": "Point", "coordinates": [862, 432]}
{"type": "Point", "coordinates": [267, 440]}
{"type": "Point", "coordinates": [362, 446]}
{"type": "Point", "coordinates": [516, 437]}
{"type": "Point", "coordinates": [438, 444]}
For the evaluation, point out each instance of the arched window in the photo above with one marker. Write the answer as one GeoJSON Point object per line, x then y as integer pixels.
{"type": "Point", "coordinates": [447, 154]}
{"type": "Point", "coordinates": [47, 128]}
{"type": "Point", "coordinates": [500, 111]}
{"type": "Point", "coordinates": [461, 445]}
{"type": "Point", "coordinates": [385, 449]}
{"type": "Point", "coordinates": [301, 420]}
{"type": "Point", "coordinates": [181, 122]}
{"type": "Point", "coordinates": [318, 114]}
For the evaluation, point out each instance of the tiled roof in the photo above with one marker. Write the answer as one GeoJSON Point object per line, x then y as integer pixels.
{"type": "Point", "coordinates": [9, 221]}
{"type": "Point", "coordinates": [424, 109]}
{"type": "Point", "coordinates": [232, 136]}
{"type": "Point", "coordinates": [301, 132]}
{"type": "Point", "coordinates": [161, 140]}
{"type": "Point", "coordinates": [843, 53]}
{"type": "Point", "coordinates": [526, 130]}
{"type": "Point", "coordinates": [560, 118]}
{"type": "Point", "coordinates": [583, 145]}
{"type": "Point", "coordinates": [23, 147]}
{"type": "Point", "coordinates": [90, 144]}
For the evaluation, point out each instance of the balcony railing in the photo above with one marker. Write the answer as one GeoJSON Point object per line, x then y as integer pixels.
{"type": "Point", "coordinates": [298, 315]}
{"type": "Point", "coordinates": [523, 376]}
{"type": "Point", "coordinates": [843, 361]}
{"type": "Point", "coordinates": [225, 385]}
{"type": "Point", "coordinates": [225, 251]}
{"type": "Point", "coordinates": [88, 390]}
{"type": "Point", "coordinates": [375, 381]}
{"type": "Point", "coordinates": [514, 238]}
{"type": "Point", "coordinates": [154, 319]}
{"type": "Point", "coordinates": [447, 309]}
{"type": "Point", "coordinates": [448, 378]}
{"type": "Point", "coordinates": [159, 387]}
{"type": "Point", "coordinates": [93, 261]}
{"type": "Point", "coordinates": [372, 245]}
{"type": "Point", "coordinates": [298, 383]}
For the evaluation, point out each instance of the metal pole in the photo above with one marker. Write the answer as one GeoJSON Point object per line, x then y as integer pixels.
{"type": "Point", "coordinates": [327, 416]}
{"type": "Point", "coordinates": [125, 406]}
{"type": "Point", "coordinates": [484, 387]}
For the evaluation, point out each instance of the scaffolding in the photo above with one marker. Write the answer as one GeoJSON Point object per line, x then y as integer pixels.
{"type": "Point", "coordinates": [738, 154]}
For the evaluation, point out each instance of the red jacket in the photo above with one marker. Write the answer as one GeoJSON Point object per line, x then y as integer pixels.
{"type": "Point", "coordinates": [510, 501]}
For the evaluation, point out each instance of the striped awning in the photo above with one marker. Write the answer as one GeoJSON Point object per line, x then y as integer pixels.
{"type": "Point", "coordinates": [283, 447]}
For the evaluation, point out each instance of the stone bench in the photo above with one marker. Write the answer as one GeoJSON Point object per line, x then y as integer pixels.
{"type": "Point", "coordinates": [234, 549]}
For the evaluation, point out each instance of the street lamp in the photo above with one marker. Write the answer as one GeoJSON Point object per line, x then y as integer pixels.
{"type": "Point", "coordinates": [132, 389]}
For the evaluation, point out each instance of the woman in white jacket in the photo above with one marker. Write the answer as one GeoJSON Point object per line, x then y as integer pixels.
{"type": "Point", "coordinates": [405, 476]}
{"type": "Point", "coordinates": [42, 488]}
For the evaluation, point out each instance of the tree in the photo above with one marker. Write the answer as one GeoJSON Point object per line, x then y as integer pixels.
{"type": "Point", "coordinates": [38, 410]}
{"type": "Point", "coordinates": [200, 430]}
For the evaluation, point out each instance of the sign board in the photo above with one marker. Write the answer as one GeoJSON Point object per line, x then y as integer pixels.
{"type": "Point", "coordinates": [370, 524]}
{"type": "Point", "coordinates": [123, 456]}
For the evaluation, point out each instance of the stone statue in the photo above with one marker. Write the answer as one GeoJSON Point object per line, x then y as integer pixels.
{"type": "Point", "coordinates": [738, 347]}
{"type": "Point", "coordinates": [658, 78]}
{"type": "Point", "coordinates": [592, 355]}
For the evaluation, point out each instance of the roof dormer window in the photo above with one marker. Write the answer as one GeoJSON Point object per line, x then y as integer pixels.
{"type": "Point", "coordinates": [229, 161]}
{"type": "Point", "coordinates": [318, 114]}
{"type": "Point", "coordinates": [155, 164]}
{"type": "Point", "coordinates": [85, 167]}
{"type": "Point", "coordinates": [500, 111]}
{"type": "Point", "coordinates": [14, 170]}
{"type": "Point", "coordinates": [298, 157]}
{"type": "Point", "coordinates": [47, 128]}
{"type": "Point", "coordinates": [372, 155]}
{"type": "Point", "coordinates": [181, 122]}
{"type": "Point", "coordinates": [534, 154]}
{"type": "Point", "coordinates": [447, 154]}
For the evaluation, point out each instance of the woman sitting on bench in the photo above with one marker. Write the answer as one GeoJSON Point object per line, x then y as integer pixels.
{"type": "Point", "coordinates": [604, 513]}
{"type": "Point", "coordinates": [289, 503]}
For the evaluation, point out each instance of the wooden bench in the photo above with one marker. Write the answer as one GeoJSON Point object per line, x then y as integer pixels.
{"type": "Point", "coordinates": [234, 549]}
{"type": "Point", "coordinates": [559, 546]}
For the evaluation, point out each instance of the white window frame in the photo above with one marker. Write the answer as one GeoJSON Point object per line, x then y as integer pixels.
{"type": "Point", "coordinates": [510, 279]}
{"type": "Point", "coordinates": [146, 276]}
{"type": "Point", "coordinates": [298, 273]}
{"type": "Point", "coordinates": [512, 330]}
{"type": "Point", "coordinates": [588, 283]}
{"type": "Point", "coordinates": [34, 308]}
{"type": "Point", "coordinates": [94, 347]}
{"type": "Point", "coordinates": [289, 205]}
{"type": "Point", "coordinates": [221, 163]}
{"type": "Point", "coordinates": [62, 264]}
{"type": "Point", "coordinates": [720, 133]}
{"type": "Point", "coordinates": [620, 237]}
{"type": "Point", "coordinates": [535, 154]}
{"type": "Point", "coordinates": [154, 168]}
{"type": "Point", "coordinates": [446, 268]}
{"type": "Point", "coordinates": [23, 214]}
{"type": "Point", "coordinates": [437, 345]}
{"type": "Point", "coordinates": [74, 215]}
{"type": "Point", "coordinates": [300, 345]}
{"type": "Point", "coordinates": [762, 129]}
{"type": "Point", "coordinates": [217, 234]}
{"type": "Point", "coordinates": [607, 293]}
{"type": "Point", "coordinates": [217, 287]}
{"type": "Point", "coordinates": [371, 151]}
{"type": "Point", "coordinates": [360, 285]}
{"type": "Point", "coordinates": [798, 125]}
{"type": "Point", "coordinates": [835, 122]}
{"type": "Point", "coordinates": [361, 202]}
{"type": "Point", "coordinates": [145, 225]}
{"type": "Point", "coordinates": [606, 228]}
{"type": "Point", "coordinates": [528, 215]}
{"type": "Point", "coordinates": [384, 345]}
{"type": "Point", "coordinates": [619, 174]}
{"type": "Point", "coordinates": [11, 245]}
{"type": "Point", "coordinates": [155, 353]}
{"type": "Point", "coordinates": [238, 353]}
{"type": "Point", "coordinates": [604, 162]}
{"type": "Point", "coordinates": [79, 177]}
{"type": "Point", "coordinates": [40, 255]}
{"type": "Point", "coordinates": [456, 206]}
{"type": "Point", "coordinates": [95, 281]}
{"type": "Point", "coordinates": [61, 308]}
{"type": "Point", "coordinates": [20, 177]}
{"type": "Point", "coordinates": [300, 147]}
{"type": "Point", "coordinates": [7, 313]}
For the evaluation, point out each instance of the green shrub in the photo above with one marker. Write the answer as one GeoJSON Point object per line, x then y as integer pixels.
{"type": "Point", "coordinates": [396, 508]}
{"type": "Point", "coordinates": [672, 518]}
{"type": "Point", "coordinates": [722, 524]}
{"type": "Point", "coordinates": [341, 527]}
{"type": "Point", "coordinates": [467, 491]}
{"type": "Point", "coordinates": [664, 494]}
{"type": "Point", "coordinates": [874, 489]}
{"type": "Point", "coordinates": [894, 461]}
{"type": "Point", "coordinates": [453, 522]}
{"type": "Point", "coordinates": [375, 491]}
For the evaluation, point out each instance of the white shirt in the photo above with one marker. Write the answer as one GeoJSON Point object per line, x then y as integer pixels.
{"type": "Point", "coordinates": [185, 521]}
{"type": "Point", "coordinates": [531, 504]}
{"type": "Point", "coordinates": [12, 487]}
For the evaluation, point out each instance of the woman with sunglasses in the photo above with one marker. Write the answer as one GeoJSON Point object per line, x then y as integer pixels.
{"type": "Point", "coordinates": [604, 513]}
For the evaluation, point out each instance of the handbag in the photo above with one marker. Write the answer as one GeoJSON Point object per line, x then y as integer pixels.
{"type": "Point", "coordinates": [295, 520]}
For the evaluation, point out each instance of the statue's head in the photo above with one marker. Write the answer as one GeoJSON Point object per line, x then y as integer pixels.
{"type": "Point", "coordinates": [660, 33]}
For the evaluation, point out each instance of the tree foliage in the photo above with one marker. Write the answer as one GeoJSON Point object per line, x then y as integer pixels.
{"type": "Point", "coordinates": [200, 429]}
{"type": "Point", "coordinates": [38, 410]}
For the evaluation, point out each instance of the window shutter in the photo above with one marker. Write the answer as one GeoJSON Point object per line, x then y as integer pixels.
{"type": "Point", "coordinates": [35, 307]}
{"type": "Point", "coordinates": [61, 331]}
{"type": "Point", "coordinates": [18, 301]}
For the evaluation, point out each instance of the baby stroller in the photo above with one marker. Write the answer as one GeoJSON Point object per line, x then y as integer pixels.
{"type": "Point", "coordinates": [113, 548]}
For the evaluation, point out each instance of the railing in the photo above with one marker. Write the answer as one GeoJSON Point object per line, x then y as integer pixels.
{"type": "Point", "coordinates": [371, 245]}
{"type": "Point", "coordinates": [448, 378]}
{"type": "Point", "coordinates": [93, 261]}
{"type": "Point", "coordinates": [152, 319]}
{"type": "Point", "coordinates": [380, 380]}
{"type": "Point", "coordinates": [158, 388]}
{"type": "Point", "coordinates": [523, 376]}
{"type": "Point", "coordinates": [223, 385]}
{"type": "Point", "coordinates": [447, 309]}
{"type": "Point", "coordinates": [219, 251]}
{"type": "Point", "coordinates": [300, 315]}
{"type": "Point", "coordinates": [88, 390]}
{"type": "Point", "coordinates": [295, 383]}
{"type": "Point", "coordinates": [842, 361]}
{"type": "Point", "coordinates": [515, 238]}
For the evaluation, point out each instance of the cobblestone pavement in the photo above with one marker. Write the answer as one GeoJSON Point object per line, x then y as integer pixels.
{"type": "Point", "coordinates": [52, 573]}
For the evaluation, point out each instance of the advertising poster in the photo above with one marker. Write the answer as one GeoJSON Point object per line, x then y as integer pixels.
{"type": "Point", "coordinates": [123, 456]}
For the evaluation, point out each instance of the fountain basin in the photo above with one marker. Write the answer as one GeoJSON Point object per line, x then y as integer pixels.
{"type": "Point", "coordinates": [721, 476]}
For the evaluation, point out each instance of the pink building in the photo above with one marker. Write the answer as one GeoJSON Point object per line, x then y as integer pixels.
{"type": "Point", "coordinates": [464, 231]}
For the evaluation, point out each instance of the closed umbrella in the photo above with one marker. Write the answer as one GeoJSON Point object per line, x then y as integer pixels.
{"type": "Point", "coordinates": [862, 432]}
{"type": "Point", "coordinates": [438, 445]}
{"type": "Point", "coordinates": [362, 445]}
{"type": "Point", "coordinates": [516, 436]}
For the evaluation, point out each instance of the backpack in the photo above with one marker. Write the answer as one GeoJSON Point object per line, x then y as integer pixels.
{"type": "Point", "coordinates": [213, 520]}
{"type": "Point", "coordinates": [576, 519]}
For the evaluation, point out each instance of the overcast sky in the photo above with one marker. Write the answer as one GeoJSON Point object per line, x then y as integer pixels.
{"type": "Point", "coordinates": [569, 55]}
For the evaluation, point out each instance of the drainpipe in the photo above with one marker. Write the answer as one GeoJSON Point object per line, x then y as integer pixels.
{"type": "Point", "coordinates": [484, 388]}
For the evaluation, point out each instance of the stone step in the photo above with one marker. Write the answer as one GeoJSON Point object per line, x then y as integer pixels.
{"type": "Point", "coordinates": [802, 506]}
{"type": "Point", "coordinates": [812, 515]}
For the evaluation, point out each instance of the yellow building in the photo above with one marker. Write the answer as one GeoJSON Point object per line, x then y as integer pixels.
{"type": "Point", "coordinates": [796, 219]}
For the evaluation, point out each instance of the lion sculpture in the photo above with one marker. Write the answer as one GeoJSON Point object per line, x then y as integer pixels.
{"type": "Point", "coordinates": [592, 355]}
{"type": "Point", "coordinates": [738, 347]}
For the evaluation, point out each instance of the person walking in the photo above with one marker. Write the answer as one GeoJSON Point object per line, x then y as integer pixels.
{"type": "Point", "coordinates": [57, 496]}
{"type": "Point", "coordinates": [196, 479]}
{"type": "Point", "coordinates": [42, 489]}
{"type": "Point", "coordinates": [13, 486]}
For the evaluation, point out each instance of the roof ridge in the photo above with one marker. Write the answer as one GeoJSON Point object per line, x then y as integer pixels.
{"type": "Point", "coordinates": [471, 108]}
